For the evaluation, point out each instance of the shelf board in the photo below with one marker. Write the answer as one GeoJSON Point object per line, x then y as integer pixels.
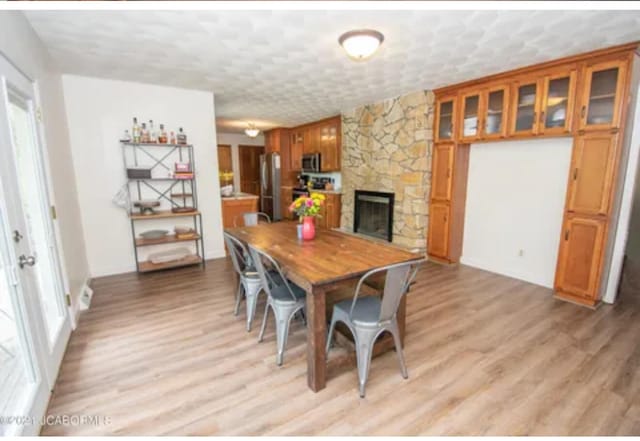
{"type": "Point", "coordinates": [602, 97]}
{"type": "Point", "coordinates": [181, 195]}
{"type": "Point", "coordinates": [146, 266]}
{"type": "Point", "coordinates": [149, 144]}
{"type": "Point", "coordinates": [171, 238]}
{"type": "Point", "coordinates": [162, 214]}
{"type": "Point", "coordinates": [162, 179]}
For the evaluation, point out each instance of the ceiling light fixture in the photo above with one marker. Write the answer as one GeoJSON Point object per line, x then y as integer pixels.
{"type": "Point", "coordinates": [361, 44]}
{"type": "Point", "coordinates": [252, 131]}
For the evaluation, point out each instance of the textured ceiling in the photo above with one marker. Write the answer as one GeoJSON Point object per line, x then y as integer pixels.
{"type": "Point", "coordinates": [286, 67]}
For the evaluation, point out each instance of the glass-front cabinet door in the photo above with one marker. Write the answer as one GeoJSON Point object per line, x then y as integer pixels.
{"type": "Point", "coordinates": [557, 103]}
{"type": "Point", "coordinates": [601, 95]}
{"type": "Point", "coordinates": [470, 116]}
{"type": "Point", "coordinates": [525, 107]}
{"type": "Point", "coordinates": [494, 121]}
{"type": "Point", "coordinates": [445, 116]}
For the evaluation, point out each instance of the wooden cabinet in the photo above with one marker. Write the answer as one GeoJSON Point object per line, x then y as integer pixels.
{"type": "Point", "coordinates": [441, 172]}
{"type": "Point", "coordinates": [579, 259]}
{"type": "Point", "coordinates": [484, 113]}
{"type": "Point", "coordinates": [602, 94]}
{"type": "Point", "coordinates": [438, 235]}
{"type": "Point", "coordinates": [591, 176]}
{"type": "Point", "coordinates": [296, 147]}
{"type": "Point", "coordinates": [525, 106]}
{"type": "Point", "coordinates": [324, 137]}
{"type": "Point", "coordinates": [330, 212]}
{"type": "Point", "coordinates": [286, 197]}
{"type": "Point", "coordinates": [557, 103]}
{"type": "Point", "coordinates": [445, 117]}
{"type": "Point", "coordinates": [233, 208]}
{"type": "Point", "coordinates": [278, 140]}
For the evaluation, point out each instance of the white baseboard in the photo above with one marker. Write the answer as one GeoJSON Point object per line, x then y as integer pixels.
{"type": "Point", "coordinates": [80, 302]}
{"type": "Point", "coordinates": [505, 272]}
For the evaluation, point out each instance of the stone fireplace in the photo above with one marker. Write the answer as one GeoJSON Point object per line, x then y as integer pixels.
{"type": "Point", "coordinates": [373, 214]}
{"type": "Point", "coordinates": [386, 147]}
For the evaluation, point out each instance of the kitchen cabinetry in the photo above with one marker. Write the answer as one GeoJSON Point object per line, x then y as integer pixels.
{"type": "Point", "coordinates": [591, 177]}
{"type": "Point", "coordinates": [324, 137]}
{"type": "Point", "coordinates": [584, 96]}
{"type": "Point", "coordinates": [581, 251]}
{"type": "Point", "coordinates": [331, 211]}
{"type": "Point", "coordinates": [602, 95]}
{"type": "Point", "coordinates": [279, 140]}
{"type": "Point", "coordinates": [296, 147]}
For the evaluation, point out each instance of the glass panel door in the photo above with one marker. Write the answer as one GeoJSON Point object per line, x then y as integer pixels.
{"type": "Point", "coordinates": [557, 105]}
{"type": "Point", "coordinates": [445, 120]}
{"type": "Point", "coordinates": [602, 97]}
{"type": "Point", "coordinates": [470, 116]}
{"type": "Point", "coordinates": [525, 108]}
{"type": "Point", "coordinates": [494, 124]}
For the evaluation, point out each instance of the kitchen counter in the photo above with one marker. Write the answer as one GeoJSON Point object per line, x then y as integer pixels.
{"type": "Point", "coordinates": [327, 191]}
{"type": "Point", "coordinates": [239, 196]}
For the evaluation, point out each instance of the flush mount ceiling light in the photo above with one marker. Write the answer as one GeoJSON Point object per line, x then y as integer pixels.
{"type": "Point", "coordinates": [252, 131]}
{"type": "Point", "coordinates": [361, 44]}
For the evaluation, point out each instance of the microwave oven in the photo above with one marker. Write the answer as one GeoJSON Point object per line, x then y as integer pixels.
{"type": "Point", "coordinates": [312, 163]}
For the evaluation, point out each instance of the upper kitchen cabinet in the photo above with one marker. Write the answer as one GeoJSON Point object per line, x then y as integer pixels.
{"type": "Point", "coordinates": [469, 127]}
{"type": "Point", "coordinates": [296, 146]}
{"type": "Point", "coordinates": [557, 105]}
{"type": "Point", "coordinates": [601, 95]}
{"type": "Point", "coordinates": [324, 137]}
{"type": "Point", "coordinates": [493, 122]}
{"type": "Point", "coordinates": [525, 107]}
{"type": "Point", "coordinates": [445, 117]}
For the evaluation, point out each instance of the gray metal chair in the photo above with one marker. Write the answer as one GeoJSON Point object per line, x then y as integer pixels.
{"type": "Point", "coordinates": [252, 218]}
{"type": "Point", "coordinates": [250, 284]}
{"type": "Point", "coordinates": [370, 316]}
{"type": "Point", "coordinates": [286, 299]}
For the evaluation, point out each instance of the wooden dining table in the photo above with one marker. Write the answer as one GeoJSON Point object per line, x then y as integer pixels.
{"type": "Point", "coordinates": [319, 266]}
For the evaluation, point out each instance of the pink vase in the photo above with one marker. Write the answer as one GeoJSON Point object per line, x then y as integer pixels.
{"type": "Point", "coordinates": [308, 228]}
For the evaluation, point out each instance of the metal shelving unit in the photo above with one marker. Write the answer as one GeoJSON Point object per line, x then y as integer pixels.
{"type": "Point", "coordinates": [176, 191]}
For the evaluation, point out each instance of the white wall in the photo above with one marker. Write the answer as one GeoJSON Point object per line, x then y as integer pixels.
{"type": "Point", "coordinates": [515, 201]}
{"type": "Point", "coordinates": [236, 139]}
{"type": "Point", "coordinates": [20, 44]}
{"type": "Point", "coordinates": [98, 112]}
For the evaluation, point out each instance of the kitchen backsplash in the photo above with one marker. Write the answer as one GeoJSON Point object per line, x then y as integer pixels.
{"type": "Point", "coordinates": [336, 176]}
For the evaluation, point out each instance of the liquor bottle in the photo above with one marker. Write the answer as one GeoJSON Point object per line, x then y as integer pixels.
{"type": "Point", "coordinates": [153, 136]}
{"type": "Point", "coordinates": [162, 137]}
{"type": "Point", "coordinates": [181, 137]}
{"type": "Point", "coordinates": [144, 134]}
{"type": "Point", "coordinates": [172, 139]}
{"type": "Point", "coordinates": [135, 131]}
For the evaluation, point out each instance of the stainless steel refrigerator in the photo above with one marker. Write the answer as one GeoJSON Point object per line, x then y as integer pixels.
{"type": "Point", "coordinates": [270, 185]}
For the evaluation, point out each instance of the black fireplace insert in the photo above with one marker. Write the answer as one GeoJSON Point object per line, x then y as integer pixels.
{"type": "Point", "coordinates": [373, 214]}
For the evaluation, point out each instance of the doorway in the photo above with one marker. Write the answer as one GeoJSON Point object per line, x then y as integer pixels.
{"type": "Point", "coordinates": [225, 165]}
{"type": "Point", "coordinates": [34, 320]}
{"type": "Point", "coordinates": [249, 156]}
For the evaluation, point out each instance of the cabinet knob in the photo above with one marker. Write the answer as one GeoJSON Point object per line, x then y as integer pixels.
{"type": "Point", "coordinates": [583, 111]}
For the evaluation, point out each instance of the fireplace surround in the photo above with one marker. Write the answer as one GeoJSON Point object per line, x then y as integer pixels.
{"type": "Point", "coordinates": [373, 214]}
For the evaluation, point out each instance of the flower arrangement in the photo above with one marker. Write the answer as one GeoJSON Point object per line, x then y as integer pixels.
{"type": "Point", "coordinates": [306, 206]}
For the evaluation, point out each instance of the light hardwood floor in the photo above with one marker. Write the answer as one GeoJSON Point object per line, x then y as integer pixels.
{"type": "Point", "coordinates": [163, 354]}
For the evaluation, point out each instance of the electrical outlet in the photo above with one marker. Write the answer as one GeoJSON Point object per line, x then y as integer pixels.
{"type": "Point", "coordinates": [520, 253]}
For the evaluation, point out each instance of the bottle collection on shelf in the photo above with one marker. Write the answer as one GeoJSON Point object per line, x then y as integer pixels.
{"type": "Point", "coordinates": [143, 134]}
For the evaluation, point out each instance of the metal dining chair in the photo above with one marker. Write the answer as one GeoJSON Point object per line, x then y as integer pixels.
{"type": "Point", "coordinates": [252, 218]}
{"type": "Point", "coordinates": [285, 299]}
{"type": "Point", "coordinates": [249, 285]}
{"type": "Point", "coordinates": [368, 317]}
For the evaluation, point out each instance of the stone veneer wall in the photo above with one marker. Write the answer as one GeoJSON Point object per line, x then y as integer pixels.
{"type": "Point", "coordinates": [387, 147]}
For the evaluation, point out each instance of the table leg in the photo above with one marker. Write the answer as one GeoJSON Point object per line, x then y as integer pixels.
{"type": "Point", "coordinates": [316, 340]}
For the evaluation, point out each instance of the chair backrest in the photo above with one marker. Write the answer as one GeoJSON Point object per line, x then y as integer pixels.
{"type": "Point", "coordinates": [238, 253]}
{"type": "Point", "coordinates": [398, 278]}
{"type": "Point", "coordinates": [259, 257]}
{"type": "Point", "coordinates": [252, 218]}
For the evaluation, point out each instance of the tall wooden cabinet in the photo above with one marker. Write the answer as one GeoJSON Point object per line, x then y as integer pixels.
{"type": "Point", "coordinates": [584, 96]}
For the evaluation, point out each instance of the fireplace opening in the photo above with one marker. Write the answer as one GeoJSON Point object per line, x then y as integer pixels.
{"type": "Point", "coordinates": [373, 214]}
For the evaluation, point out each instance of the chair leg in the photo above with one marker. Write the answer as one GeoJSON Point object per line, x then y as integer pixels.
{"type": "Point", "coordinates": [395, 332]}
{"type": "Point", "coordinates": [238, 299]}
{"type": "Point", "coordinates": [364, 350]}
{"type": "Point", "coordinates": [283, 319]}
{"type": "Point", "coordinates": [252, 300]}
{"type": "Point", "coordinates": [264, 321]}
{"type": "Point", "coordinates": [332, 327]}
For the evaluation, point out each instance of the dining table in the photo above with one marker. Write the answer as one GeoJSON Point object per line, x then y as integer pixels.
{"type": "Point", "coordinates": [330, 260]}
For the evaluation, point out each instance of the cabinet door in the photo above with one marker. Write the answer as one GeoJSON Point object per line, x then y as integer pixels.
{"type": "Point", "coordinates": [441, 171]}
{"type": "Point", "coordinates": [602, 95]}
{"type": "Point", "coordinates": [580, 257]}
{"type": "Point", "coordinates": [445, 116]}
{"type": "Point", "coordinates": [307, 146]}
{"type": "Point", "coordinates": [438, 236]}
{"type": "Point", "coordinates": [469, 127]}
{"type": "Point", "coordinates": [524, 108]}
{"type": "Point", "coordinates": [297, 146]}
{"type": "Point", "coordinates": [557, 103]}
{"type": "Point", "coordinates": [592, 167]}
{"type": "Point", "coordinates": [493, 122]}
{"type": "Point", "coordinates": [328, 148]}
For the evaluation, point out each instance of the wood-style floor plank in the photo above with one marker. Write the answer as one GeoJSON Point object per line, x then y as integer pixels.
{"type": "Point", "coordinates": [162, 354]}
